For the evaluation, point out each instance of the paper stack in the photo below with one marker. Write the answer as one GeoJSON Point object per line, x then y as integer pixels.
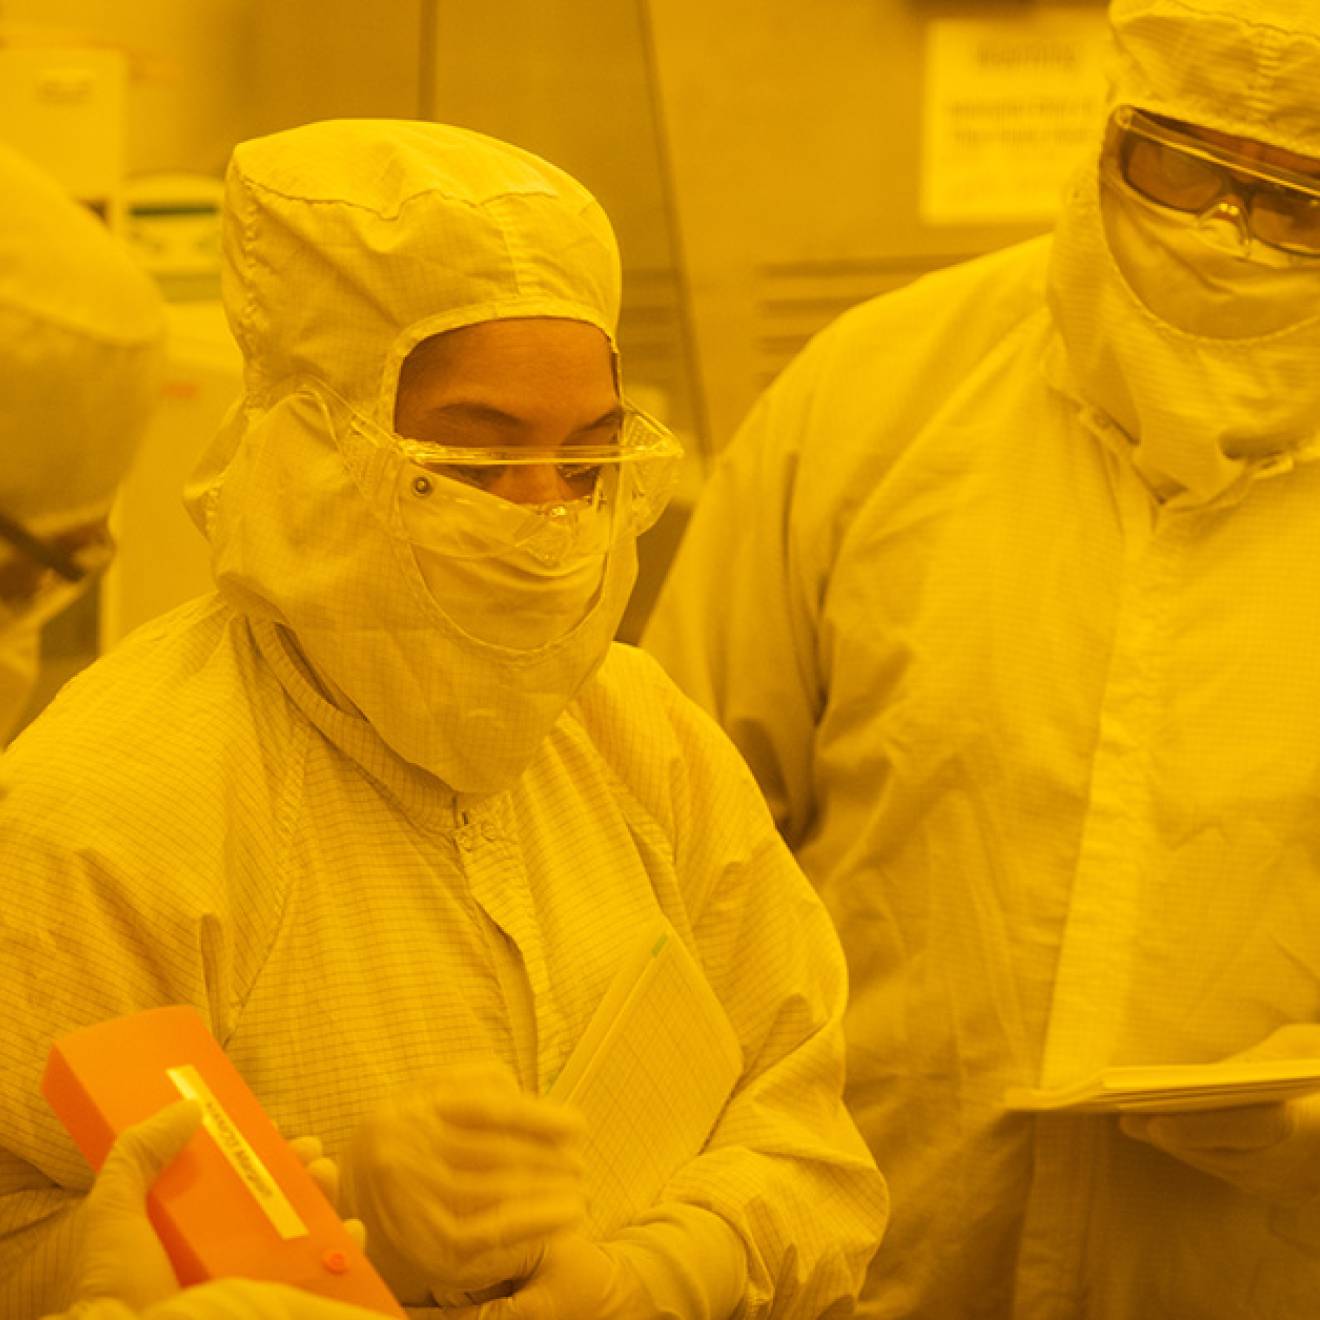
{"type": "Point", "coordinates": [1176, 1088]}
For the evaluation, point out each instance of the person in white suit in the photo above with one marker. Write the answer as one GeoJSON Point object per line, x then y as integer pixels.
{"type": "Point", "coordinates": [390, 808]}
{"type": "Point", "coordinates": [1007, 592]}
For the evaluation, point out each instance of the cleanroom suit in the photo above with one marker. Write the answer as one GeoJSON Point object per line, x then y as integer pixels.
{"type": "Point", "coordinates": [367, 845]}
{"type": "Point", "coordinates": [1007, 591]}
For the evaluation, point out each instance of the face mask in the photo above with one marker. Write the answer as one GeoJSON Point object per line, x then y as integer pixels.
{"type": "Point", "coordinates": [497, 575]}
{"type": "Point", "coordinates": [513, 600]}
{"type": "Point", "coordinates": [1196, 410]}
{"type": "Point", "coordinates": [1197, 285]}
{"type": "Point", "coordinates": [306, 532]}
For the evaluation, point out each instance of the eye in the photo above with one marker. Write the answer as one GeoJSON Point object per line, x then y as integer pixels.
{"type": "Point", "coordinates": [1171, 176]}
{"type": "Point", "coordinates": [482, 476]}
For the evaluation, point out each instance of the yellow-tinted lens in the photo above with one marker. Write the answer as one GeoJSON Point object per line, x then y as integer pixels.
{"type": "Point", "coordinates": [526, 483]}
{"type": "Point", "coordinates": [1287, 220]}
{"type": "Point", "coordinates": [1169, 176]}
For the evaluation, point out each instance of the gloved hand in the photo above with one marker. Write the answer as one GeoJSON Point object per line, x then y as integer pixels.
{"type": "Point", "coordinates": [1271, 1151]}
{"type": "Point", "coordinates": [461, 1182]}
{"type": "Point", "coordinates": [242, 1299]}
{"type": "Point", "coordinates": [226, 1299]}
{"type": "Point", "coordinates": [120, 1256]}
{"type": "Point", "coordinates": [575, 1279]}
{"type": "Point", "coordinates": [325, 1174]}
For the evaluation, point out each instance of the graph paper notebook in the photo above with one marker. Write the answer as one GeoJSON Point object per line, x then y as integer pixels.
{"type": "Point", "coordinates": [237, 1200]}
{"type": "Point", "coordinates": [651, 1073]}
{"type": "Point", "coordinates": [1177, 1088]}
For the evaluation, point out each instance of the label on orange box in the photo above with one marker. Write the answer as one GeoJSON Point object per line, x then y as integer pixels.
{"type": "Point", "coordinates": [242, 1158]}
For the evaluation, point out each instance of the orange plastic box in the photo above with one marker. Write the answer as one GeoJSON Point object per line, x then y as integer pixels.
{"type": "Point", "coordinates": [237, 1202]}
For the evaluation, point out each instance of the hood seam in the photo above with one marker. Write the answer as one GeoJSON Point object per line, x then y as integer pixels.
{"type": "Point", "coordinates": [437, 191]}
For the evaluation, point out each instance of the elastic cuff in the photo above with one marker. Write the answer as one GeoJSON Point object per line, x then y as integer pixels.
{"type": "Point", "coordinates": [691, 1262]}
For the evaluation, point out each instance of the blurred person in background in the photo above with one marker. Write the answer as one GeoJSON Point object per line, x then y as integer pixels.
{"type": "Point", "coordinates": [81, 343]}
{"type": "Point", "coordinates": [1007, 591]}
{"type": "Point", "coordinates": [82, 333]}
{"type": "Point", "coordinates": [390, 808]}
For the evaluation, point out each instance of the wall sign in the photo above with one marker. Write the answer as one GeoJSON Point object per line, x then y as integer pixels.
{"type": "Point", "coordinates": [1010, 108]}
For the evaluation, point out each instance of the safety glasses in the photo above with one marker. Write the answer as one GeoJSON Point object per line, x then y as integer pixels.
{"type": "Point", "coordinates": [1163, 166]}
{"type": "Point", "coordinates": [555, 504]}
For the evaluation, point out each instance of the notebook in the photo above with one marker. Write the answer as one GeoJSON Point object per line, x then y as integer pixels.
{"type": "Point", "coordinates": [1176, 1088]}
{"type": "Point", "coordinates": [652, 1074]}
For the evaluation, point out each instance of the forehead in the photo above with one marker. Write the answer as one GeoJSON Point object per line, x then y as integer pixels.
{"type": "Point", "coordinates": [543, 376]}
{"type": "Point", "coordinates": [540, 350]}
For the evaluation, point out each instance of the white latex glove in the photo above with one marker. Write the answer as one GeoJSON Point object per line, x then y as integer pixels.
{"type": "Point", "coordinates": [576, 1279]}
{"type": "Point", "coordinates": [1270, 1151]}
{"type": "Point", "coordinates": [120, 1256]}
{"type": "Point", "coordinates": [325, 1174]}
{"type": "Point", "coordinates": [246, 1299]}
{"type": "Point", "coordinates": [228, 1299]}
{"type": "Point", "coordinates": [462, 1180]}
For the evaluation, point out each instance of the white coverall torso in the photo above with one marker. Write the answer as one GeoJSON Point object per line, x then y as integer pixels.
{"type": "Point", "coordinates": [183, 826]}
{"type": "Point", "coordinates": [1051, 754]}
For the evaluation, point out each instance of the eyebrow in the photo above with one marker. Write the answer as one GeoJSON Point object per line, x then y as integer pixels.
{"type": "Point", "coordinates": [471, 411]}
{"type": "Point", "coordinates": [611, 417]}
